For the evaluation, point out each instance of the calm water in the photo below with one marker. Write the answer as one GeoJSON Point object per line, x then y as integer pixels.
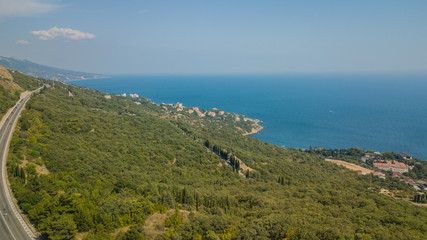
{"type": "Point", "coordinates": [384, 113]}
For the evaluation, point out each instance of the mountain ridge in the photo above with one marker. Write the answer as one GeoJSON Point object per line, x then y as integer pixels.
{"type": "Point", "coordinates": [47, 72]}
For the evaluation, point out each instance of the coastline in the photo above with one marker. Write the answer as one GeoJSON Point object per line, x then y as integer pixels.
{"type": "Point", "coordinates": [192, 91]}
{"type": "Point", "coordinates": [75, 80]}
{"type": "Point", "coordinates": [255, 131]}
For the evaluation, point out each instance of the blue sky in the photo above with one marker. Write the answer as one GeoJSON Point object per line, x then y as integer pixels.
{"type": "Point", "coordinates": [217, 37]}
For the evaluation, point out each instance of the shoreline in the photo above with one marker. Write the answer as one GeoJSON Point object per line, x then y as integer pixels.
{"type": "Point", "coordinates": [255, 131]}
{"type": "Point", "coordinates": [75, 80]}
{"type": "Point", "coordinates": [274, 134]}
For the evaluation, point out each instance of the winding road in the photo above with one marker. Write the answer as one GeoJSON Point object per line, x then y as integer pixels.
{"type": "Point", "coordinates": [12, 223]}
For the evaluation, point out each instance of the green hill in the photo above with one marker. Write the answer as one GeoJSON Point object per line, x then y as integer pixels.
{"type": "Point", "coordinates": [12, 84]}
{"type": "Point", "coordinates": [94, 167]}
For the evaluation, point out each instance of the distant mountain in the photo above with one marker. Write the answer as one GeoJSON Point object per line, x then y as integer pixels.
{"type": "Point", "coordinates": [42, 71]}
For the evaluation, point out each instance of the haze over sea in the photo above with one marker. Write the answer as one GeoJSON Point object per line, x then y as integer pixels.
{"type": "Point", "coordinates": [379, 112]}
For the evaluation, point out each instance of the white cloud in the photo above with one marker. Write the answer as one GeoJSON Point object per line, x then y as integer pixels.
{"type": "Point", "coordinates": [56, 33]}
{"type": "Point", "coordinates": [22, 42]}
{"type": "Point", "coordinates": [24, 8]}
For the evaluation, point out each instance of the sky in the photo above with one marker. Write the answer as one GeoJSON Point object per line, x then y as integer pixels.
{"type": "Point", "coordinates": [218, 37]}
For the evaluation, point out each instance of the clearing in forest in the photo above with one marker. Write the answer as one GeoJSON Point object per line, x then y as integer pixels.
{"type": "Point", "coordinates": [351, 166]}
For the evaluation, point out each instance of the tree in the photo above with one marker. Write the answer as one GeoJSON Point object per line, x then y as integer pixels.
{"type": "Point", "coordinates": [133, 234]}
{"type": "Point", "coordinates": [183, 196]}
{"type": "Point", "coordinates": [59, 227]}
{"type": "Point", "coordinates": [210, 235]}
{"type": "Point", "coordinates": [16, 171]}
{"type": "Point", "coordinates": [207, 144]}
{"type": "Point", "coordinates": [22, 174]}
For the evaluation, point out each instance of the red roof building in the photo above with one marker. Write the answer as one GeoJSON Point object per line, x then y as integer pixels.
{"type": "Point", "coordinates": [397, 174]}
{"type": "Point", "coordinates": [390, 166]}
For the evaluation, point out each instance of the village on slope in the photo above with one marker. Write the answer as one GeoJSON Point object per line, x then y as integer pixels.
{"type": "Point", "coordinates": [241, 123]}
{"type": "Point", "coordinates": [395, 166]}
{"type": "Point", "coordinates": [388, 167]}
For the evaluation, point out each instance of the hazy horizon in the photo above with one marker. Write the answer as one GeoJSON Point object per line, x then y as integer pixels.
{"type": "Point", "coordinates": [221, 37]}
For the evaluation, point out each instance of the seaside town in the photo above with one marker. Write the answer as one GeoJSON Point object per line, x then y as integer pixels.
{"type": "Point", "coordinates": [396, 167]}
{"type": "Point", "coordinates": [397, 175]}
{"type": "Point", "coordinates": [247, 125]}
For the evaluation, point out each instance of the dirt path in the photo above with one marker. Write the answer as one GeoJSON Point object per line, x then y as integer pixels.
{"type": "Point", "coordinates": [351, 166]}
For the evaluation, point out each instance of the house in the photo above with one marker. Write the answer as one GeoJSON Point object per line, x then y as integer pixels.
{"type": "Point", "coordinates": [190, 111]}
{"type": "Point", "coordinates": [134, 95]}
{"type": "Point", "coordinates": [379, 175]}
{"type": "Point", "coordinates": [214, 109]}
{"type": "Point", "coordinates": [195, 108]}
{"type": "Point", "coordinates": [409, 181]}
{"type": "Point", "coordinates": [212, 114]}
{"type": "Point", "coordinates": [397, 174]}
{"type": "Point", "coordinates": [404, 156]}
{"type": "Point", "coordinates": [177, 105]}
{"type": "Point", "coordinates": [221, 113]}
{"type": "Point", "coordinates": [393, 166]}
{"type": "Point", "coordinates": [200, 114]}
{"type": "Point", "coordinates": [179, 109]}
{"type": "Point", "coordinates": [369, 156]}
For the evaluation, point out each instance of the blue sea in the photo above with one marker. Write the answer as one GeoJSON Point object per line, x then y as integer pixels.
{"type": "Point", "coordinates": [378, 112]}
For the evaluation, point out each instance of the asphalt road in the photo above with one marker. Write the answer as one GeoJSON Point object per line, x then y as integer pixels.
{"type": "Point", "coordinates": [12, 225]}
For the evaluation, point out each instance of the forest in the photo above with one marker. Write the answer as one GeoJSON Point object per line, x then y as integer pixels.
{"type": "Point", "coordinates": [83, 166]}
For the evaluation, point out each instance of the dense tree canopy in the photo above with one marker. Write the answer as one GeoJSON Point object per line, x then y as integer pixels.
{"type": "Point", "coordinates": [95, 164]}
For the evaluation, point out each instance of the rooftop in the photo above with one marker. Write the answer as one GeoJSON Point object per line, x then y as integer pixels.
{"type": "Point", "coordinates": [403, 154]}
{"type": "Point", "coordinates": [390, 164]}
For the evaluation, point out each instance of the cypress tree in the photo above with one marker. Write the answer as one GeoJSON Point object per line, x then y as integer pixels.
{"type": "Point", "coordinates": [22, 174]}
{"type": "Point", "coordinates": [183, 196]}
{"type": "Point", "coordinates": [16, 172]}
{"type": "Point", "coordinates": [197, 200]}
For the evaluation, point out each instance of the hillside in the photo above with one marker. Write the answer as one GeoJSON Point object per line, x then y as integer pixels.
{"type": "Point", "coordinates": [12, 84]}
{"type": "Point", "coordinates": [94, 167]}
{"type": "Point", "coordinates": [42, 71]}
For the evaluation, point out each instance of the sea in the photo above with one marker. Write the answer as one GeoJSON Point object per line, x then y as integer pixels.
{"type": "Point", "coordinates": [375, 112]}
